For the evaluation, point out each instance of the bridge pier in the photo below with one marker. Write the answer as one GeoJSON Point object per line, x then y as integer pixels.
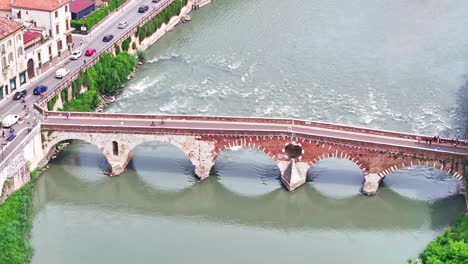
{"type": "Point", "coordinates": [118, 165]}
{"type": "Point", "coordinates": [371, 184]}
{"type": "Point", "coordinates": [293, 174]}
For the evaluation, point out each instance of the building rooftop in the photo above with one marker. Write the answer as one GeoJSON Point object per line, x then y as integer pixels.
{"type": "Point", "coordinates": [30, 35]}
{"type": "Point", "coordinates": [7, 27]}
{"type": "Point", "coordinates": [79, 5]}
{"type": "Point", "coordinates": [45, 5]}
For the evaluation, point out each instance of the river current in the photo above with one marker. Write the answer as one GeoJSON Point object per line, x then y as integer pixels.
{"type": "Point", "coordinates": [398, 65]}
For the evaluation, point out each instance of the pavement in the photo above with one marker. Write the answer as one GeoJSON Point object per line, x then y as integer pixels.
{"type": "Point", "coordinates": [128, 13]}
{"type": "Point", "coordinates": [89, 122]}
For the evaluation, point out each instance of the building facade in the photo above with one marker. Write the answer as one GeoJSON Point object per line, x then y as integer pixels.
{"type": "Point", "coordinates": [12, 57]}
{"type": "Point", "coordinates": [49, 18]}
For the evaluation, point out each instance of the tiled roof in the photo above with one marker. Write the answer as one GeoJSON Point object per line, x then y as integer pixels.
{"type": "Point", "coordinates": [30, 35]}
{"type": "Point", "coordinates": [79, 5]}
{"type": "Point", "coordinates": [5, 5]}
{"type": "Point", "coordinates": [46, 5]}
{"type": "Point", "coordinates": [7, 27]}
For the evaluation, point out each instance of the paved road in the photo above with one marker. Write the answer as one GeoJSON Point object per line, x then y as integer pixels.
{"type": "Point", "coordinates": [249, 126]}
{"type": "Point", "coordinates": [127, 13]}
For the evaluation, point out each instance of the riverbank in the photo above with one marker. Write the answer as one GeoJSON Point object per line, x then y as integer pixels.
{"type": "Point", "coordinates": [449, 248]}
{"type": "Point", "coordinates": [15, 224]}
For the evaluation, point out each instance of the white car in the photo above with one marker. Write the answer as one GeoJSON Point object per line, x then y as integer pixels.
{"type": "Point", "coordinates": [60, 73]}
{"type": "Point", "coordinates": [10, 120]}
{"type": "Point", "coordinates": [76, 54]}
{"type": "Point", "coordinates": [123, 24]}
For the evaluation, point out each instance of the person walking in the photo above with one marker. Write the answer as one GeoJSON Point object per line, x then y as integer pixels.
{"type": "Point", "coordinates": [3, 133]}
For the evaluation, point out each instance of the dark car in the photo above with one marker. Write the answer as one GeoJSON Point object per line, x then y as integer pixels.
{"type": "Point", "coordinates": [20, 95]}
{"type": "Point", "coordinates": [155, 1]}
{"type": "Point", "coordinates": [107, 37]}
{"type": "Point", "coordinates": [11, 137]}
{"type": "Point", "coordinates": [143, 8]}
{"type": "Point", "coordinates": [39, 89]}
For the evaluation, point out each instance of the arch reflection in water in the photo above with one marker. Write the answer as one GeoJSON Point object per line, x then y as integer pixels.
{"type": "Point", "coordinates": [83, 160]}
{"type": "Point", "coordinates": [162, 166]}
{"type": "Point", "coordinates": [334, 177]}
{"type": "Point", "coordinates": [422, 183]}
{"type": "Point", "coordinates": [247, 171]}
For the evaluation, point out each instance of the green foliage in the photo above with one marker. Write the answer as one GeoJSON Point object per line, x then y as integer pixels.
{"type": "Point", "coordinates": [126, 44]}
{"type": "Point", "coordinates": [85, 102]}
{"type": "Point", "coordinates": [141, 55]}
{"type": "Point", "coordinates": [449, 248]}
{"type": "Point", "coordinates": [98, 15]}
{"type": "Point", "coordinates": [106, 77]}
{"type": "Point", "coordinates": [15, 227]}
{"type": "Point", "coordinates": [117, 49]}
{"type": "Point", "coordinates": [152, 26]}
{"type": "Point", "coordinates": [465, 161]}
{"type": "Point", "coordinates": [64, 95]}
{"type": "Point", "coordinates": [51, 103]}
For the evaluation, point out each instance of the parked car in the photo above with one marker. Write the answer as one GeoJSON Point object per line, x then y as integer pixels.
{"type": "Point", "coordinates": [20, 95]}
{"type": "Point", "coordinates": [11, 137]}
{"type": "Point", "coordinates": [155, 1]}
{"type": "Point", "coordinates": [10, 120]}
{"type": "Point", "coordinates": [123, 24]}
{"type": "Point", "coordinates": [143, 8]}
{"type": "Point", "coordinates": [90, 52]}
{"type": "Point", "coordinates": [60, 73]}
{"type": "Point", "coordinates": [107, 37]}
{"type": "Point", "coordinates": [76, 54]}
{"type": "Point", "coordinates": [39, 89]}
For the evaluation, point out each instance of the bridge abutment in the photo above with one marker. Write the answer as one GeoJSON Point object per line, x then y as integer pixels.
{"type": "Point", "coordinates": [293, 174]}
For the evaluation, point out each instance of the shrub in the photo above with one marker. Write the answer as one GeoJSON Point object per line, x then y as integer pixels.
{"type": "Point", "coordinates": [126, 44]}
{"type": "Point", "coordinates": [449, 248]}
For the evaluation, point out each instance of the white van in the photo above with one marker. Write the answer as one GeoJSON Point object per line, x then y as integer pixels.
{"type": "Point", "coordinates": [123, 24]}
{"type": "Point", "coordinates": [10, 120]}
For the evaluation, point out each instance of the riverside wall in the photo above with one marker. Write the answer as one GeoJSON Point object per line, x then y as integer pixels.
{"type": "Point", "coordinates": [15, 168]}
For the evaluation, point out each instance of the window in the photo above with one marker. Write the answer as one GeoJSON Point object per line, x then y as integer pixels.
{"type": "Point", "coordinates": [50, 32]}
{"type": "Point", "coordinates": [1, 92]}
{"type": "Point", "coordinates": [39, 56]}
{"type": "Point", "coordinates": [4, 62]}
{"type": "Point", "coordinates": [67, 24]}
{"type": "Point", "coordinates": [13, 83]}
{"type": "Point", "coordinates": [115, 148]}
{"type": "Point", "coordinates": [18, 37]}
{"type": "Point", "coordinates": [56, 13]}
{"type": "Point", "coordinates": [66, 8]}
{"type": "Point", "coordinates": [59, 45]}
{"type": "Point", "coordinates": [2, 48]}
{"type": "Point", "coordinates": [22, 77]}
{"type": "Point", "coordinates": [50, 51]}
{"type": "Point", "coordinates": [9, 43]}
{"type": "Point", "coordinates": [20, 51]}
{"type": "Point", "coordinates": [18, 15]}
{"type": "Point", "coordinates": [57, 29]}
{"type": "Point", "coordinates": [10, 57]}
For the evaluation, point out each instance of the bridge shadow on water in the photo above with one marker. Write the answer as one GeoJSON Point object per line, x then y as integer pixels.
{"type": "Point", "coordinates": [306, 208]}
{"type": "Point", "coordinates": [74, 179]}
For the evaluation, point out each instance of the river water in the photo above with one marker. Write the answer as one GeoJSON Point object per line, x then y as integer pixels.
{"type": "Point", "coordinates": [398, 65]}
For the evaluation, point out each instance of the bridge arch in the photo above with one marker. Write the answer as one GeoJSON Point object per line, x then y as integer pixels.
{"type": "Point", "coordinates": [451, 167]}
{"type": "Point", "coordinates": [50, 140]}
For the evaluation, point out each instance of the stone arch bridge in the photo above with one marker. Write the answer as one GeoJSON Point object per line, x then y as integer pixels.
{"type": "Point", "coordinates": [295, 145]}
